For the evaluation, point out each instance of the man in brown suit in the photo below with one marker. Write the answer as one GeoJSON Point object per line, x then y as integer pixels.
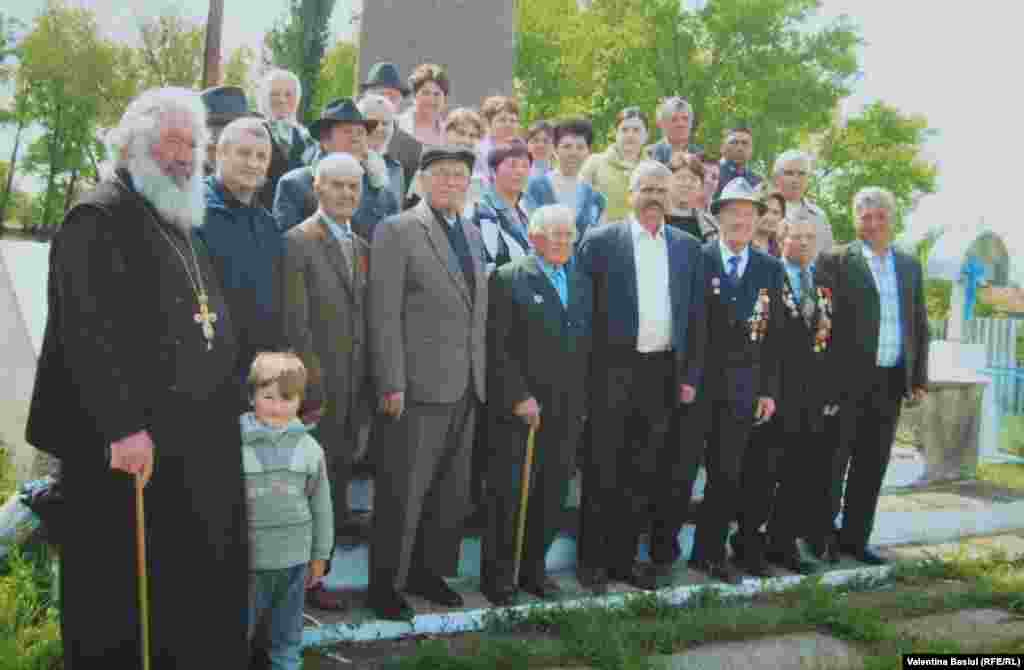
{"type": "Point", "coordinates": [325, 271]}
{"type": "Point", "coordinates": [427, 309]}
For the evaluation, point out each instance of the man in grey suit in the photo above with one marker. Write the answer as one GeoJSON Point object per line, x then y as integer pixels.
{"type": "Point", "coordinates": [427, 309]}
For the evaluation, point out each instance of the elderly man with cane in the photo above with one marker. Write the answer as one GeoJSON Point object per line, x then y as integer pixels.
{"type": "Point", "coordinates": [538, 351]}
{"type": "Point", "coordinates": [136, 380]}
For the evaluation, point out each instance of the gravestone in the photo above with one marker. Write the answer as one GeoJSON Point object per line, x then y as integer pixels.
{"type": "Point", "coordinates": [23, 275]}
{"type": "Point", "coordinates": [474, 40]}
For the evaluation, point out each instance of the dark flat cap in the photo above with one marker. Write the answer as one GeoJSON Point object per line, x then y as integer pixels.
{"type": "Point", "coordinates": [224, 104]}
{"type": "Point", "coordinates": [447, 153]}
{"type": "Point", "coordinates": [384, 75]}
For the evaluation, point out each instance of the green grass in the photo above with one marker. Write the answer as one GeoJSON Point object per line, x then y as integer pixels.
{"type": "Point", "coordinates": [627, 636]}
{"type": "Point", "coordinates": [1010, 475]}
{"type": "Point", "coordinates": [29, 626]}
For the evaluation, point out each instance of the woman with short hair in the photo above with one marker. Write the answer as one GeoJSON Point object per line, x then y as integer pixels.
{"type": "Point", "coordinates": [686, 197]}
{"type": "Point", "coordinates": [540, 141]}
{"type": "Point", "coordinates": [501, 115]}
{"type": "Point", "coordinates": [609, 171]}
{"type": "Point", "coordinates": [500, 215]}
{"type": "Point", "coordinates": [430, 89]}
{"type": "Point", "coordinates": [280, 92]}
{"type": "Point", "coordinates": [378, 108]}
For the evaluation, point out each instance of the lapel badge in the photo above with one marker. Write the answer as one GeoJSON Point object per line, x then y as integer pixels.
{"type": "Point", "coordinates": [716, 285]}
{"type": "Point", "coordinates": [537, 298]}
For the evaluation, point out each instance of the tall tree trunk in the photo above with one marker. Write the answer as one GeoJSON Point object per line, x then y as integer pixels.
{"type": "Point", "coordinates": [9, 186]}
{"type": "Point", "coordinates": [69, 190]}
{"type": "Point", "coordinates": [212, 58]}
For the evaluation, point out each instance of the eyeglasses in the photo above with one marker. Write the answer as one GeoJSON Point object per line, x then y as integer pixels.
{"type": "Point", "coordinates": [653, 190]}
{"type": "Point", "coordinates": [450, 175]}
{"type": "Point", "coordinates": [794, 173]}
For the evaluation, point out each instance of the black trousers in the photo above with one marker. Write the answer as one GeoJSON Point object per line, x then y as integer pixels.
{"type": "Point", "coordinates": [673, 487]}
{"type": "Point", "coordinates": [553, 460]}
{"type": "Point", "coordinates": [867, 428]}
{"type": "Point", "coordinates": [628, 435]}
{"type": "Point", "coordinates": [762, 469]}
{"type": "Point", "coordinates": [731, 404]}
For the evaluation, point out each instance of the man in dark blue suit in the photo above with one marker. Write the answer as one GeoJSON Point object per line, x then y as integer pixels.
{"type": "Point", "coordinates": [879, 358]}
{"type": "Point", "coordinates": [743, 289]}
{"type": "Point", "coordinates": [648, 359]}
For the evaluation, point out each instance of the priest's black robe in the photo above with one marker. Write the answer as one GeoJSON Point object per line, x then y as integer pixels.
{"type": "Point", "coordinates": [122, 353]}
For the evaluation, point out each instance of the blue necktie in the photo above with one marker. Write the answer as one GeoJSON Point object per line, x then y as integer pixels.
{"type": "Point", "coordinates": [734, 270]}
{"type": "Point", "coordinates": [560, 285]}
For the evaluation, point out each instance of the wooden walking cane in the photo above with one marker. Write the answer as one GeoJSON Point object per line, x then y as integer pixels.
{"type": "Point", "coordinates": [524, 495]}
{"type": "Point", "coordinates": [140, 546]}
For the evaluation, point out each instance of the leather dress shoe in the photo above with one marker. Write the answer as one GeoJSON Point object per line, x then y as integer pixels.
{"type": "Point", "coordinates": [434, 589]}
{"type": "Point", "coordinates": [595, 579]}
{"type": "Point", "coordinates": [662, 568]}
{"type": "Point", "coordinates": [391, 605]}
{"type": "Point", "coordinates": [719, 570]}
{"type": "Point", "coordinates": [322, 599]}
{"type": "Point", "coordinates": [636, 575]}
{"type": "Point", "coordinates": [754, 564]}
{"type": "Point", "coordinates": [789, 558]}
{"type": "Point", "coordinates": [825, 549]}
{"type": "Point", "coordinates": [864, 555]}
{"type": "Point", "coordinates": [499, 597]}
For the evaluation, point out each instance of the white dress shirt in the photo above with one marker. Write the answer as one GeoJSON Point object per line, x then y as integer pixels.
{"type": "Point", "coordinates": [653, 295]}
{"type": "Point", "coordinates": [727, 253]}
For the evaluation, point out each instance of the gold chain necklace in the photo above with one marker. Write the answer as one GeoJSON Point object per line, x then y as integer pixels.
{"type": "Point", "coordinates": [204, 317]}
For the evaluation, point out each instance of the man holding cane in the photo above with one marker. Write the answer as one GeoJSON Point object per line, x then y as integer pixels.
{"type": "Point", "coordinates": [538, 351]}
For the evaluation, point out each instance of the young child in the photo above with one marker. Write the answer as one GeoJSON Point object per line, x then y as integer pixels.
{"type": "Point", "coordinates": [291, 522]}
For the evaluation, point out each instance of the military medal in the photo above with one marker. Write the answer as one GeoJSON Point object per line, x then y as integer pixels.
{"type": "Point", "coordinates": [716, 285]}
{"type": "Point", "coordinates": [759, 319]}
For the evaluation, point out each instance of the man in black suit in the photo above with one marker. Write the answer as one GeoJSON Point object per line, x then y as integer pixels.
{"type": "Point", "coordinates": [383, 79]}
{"type": "Point", "coordinates": [649, 354]}
{"type": "Point", "coordinates": [789, 452]}
{"type": "Point", "coordinates": [879, 354]}
{"type": "Point", "coordinates": [538, 352]}
{"type": "Point", "coordinates": [743, 293]}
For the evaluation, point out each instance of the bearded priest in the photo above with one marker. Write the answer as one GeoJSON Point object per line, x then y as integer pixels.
{"type": "Point", "coordinates": [135, 379]}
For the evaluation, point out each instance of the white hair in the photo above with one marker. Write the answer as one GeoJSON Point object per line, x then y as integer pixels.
{"type": "Point", "coordinates": [131, 142]}
{"type": "Point", "coordinates": [792, 156]}
{"type": "Point", "coordinates": [276, 74]}
{"type": "Point", "coordinates": [240, 128]}
{"type": "Point", "coordinates": [139, 128]}
{"type": "Point", "coordinates": [338, 165]}
{"type": "Point", "coordinates": [543, 218]}
{"type": "Point", "coordinates": [872, 197]}
{"type": "Point", "coordinates": [672, 105]}
{"type": "Point", "coordinates": [372, 103]}
{"type": "Point", "coordinates": [647, 168]}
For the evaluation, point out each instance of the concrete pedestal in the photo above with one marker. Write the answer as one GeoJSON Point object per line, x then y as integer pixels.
{"type": "Point", "coordinates": [950, 428]}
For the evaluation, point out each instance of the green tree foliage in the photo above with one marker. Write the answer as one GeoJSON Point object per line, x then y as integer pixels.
{"type": "Point", "coordinates": [297, 43]}
{"type": "Point", "coordinates": [171, 52]}
{"type": "Point", "coordinates": [238, 70]}
{"type": "Point", "coordinates": [879, 147]}
{"type": "Point", "coordinates": [757, 62]}
{"type": "Point", "coordinates": [337, 75]}
{"type": "Point", "coordinates": [67, 72]}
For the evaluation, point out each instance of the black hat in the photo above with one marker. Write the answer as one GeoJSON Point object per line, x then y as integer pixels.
{"type": "Point", "coordinates": [384, 75]}
{"type": "Point", "coordinates": [343, 110]}
{"type": "Point", "coordinates": [447, 153]}
{"type": "Point", "coordinates": [224, 104]}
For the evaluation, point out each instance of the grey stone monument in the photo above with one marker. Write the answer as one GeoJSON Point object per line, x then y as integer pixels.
{"type": "Point", "coordinates": [474, 40]}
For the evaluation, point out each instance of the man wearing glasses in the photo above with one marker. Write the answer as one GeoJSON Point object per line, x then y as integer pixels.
{"type": "Point", "coordinates": [648, 358]}
{"type": "Point", "coordinates": [792, 176]}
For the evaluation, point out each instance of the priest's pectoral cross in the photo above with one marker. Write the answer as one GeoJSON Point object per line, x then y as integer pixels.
{"type": "Point", "coordinates": [205, 318]}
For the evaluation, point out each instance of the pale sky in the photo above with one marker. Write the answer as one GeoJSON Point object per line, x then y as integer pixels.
{"type": "Point", "coordinates": [955, 62]}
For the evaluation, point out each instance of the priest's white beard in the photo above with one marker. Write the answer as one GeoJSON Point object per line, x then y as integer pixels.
{"type": "Point", "coordinates": [183, 207]}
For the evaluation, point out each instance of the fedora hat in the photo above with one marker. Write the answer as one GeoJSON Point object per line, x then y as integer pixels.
{"type": "Point", "coordinates": [384, 75]}
{"type": "Point", "coordinates": [738, 190]}
{"type": "Point", "coordinates": [224, 104]}
{"type": "Point", "coordinates": [343, 110]}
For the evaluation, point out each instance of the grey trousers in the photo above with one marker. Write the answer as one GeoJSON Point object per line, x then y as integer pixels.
{"type": "Point", "coordinates": [421, 492]}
